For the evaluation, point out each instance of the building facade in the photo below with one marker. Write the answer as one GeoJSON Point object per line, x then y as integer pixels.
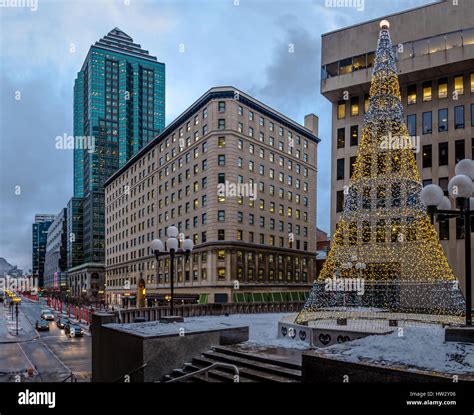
{"type": "Point", "coordinates": [238, 178]}
{"type": "Point", "coordinates": [74, 232]}
{"type": "Point", "coordinates": [435, 60]}
{"type": "Point", "coordinates": [119, 106]}
{"type": "Point", "coordinates": [39, 239]}
{"type": "Point", "coordinates": [55, 264]}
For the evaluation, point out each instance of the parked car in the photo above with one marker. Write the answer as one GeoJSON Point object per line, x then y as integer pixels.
{"type": "Point", "coordinates": [139, 320]}
{"type": "Point", "coordinates": [61, 322]}
{"type": "Point", "coordinates": [42, 325]}
{"type": "Point", "coordinates": [73, 330]}
{"type": "Point", "coordinates": [47, 315]}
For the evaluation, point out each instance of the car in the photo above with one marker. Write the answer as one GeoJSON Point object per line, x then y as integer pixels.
{"type": "Point", "coordinates": [73, 330]}
{"type": "Point", "coordinates": [42, 325]}
{"type": "Point", "coordinates": [62, 321]}
{"type": "Point", "coordinates": [47, 315]}
{"type": "Point", "coordinates": [139, 320]}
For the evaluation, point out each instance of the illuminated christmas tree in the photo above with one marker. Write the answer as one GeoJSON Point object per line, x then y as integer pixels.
{"type": "Point", "coordinates": [384, 239]}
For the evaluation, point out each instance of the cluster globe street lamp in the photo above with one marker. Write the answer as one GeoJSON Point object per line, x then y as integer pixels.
{"type": "Point", "coordinates": [171, 248]}
{"type": "Point", "coordinates": [460, 188]}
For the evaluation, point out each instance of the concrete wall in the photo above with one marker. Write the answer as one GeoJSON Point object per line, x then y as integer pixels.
{"type": "Point", "coordinates": [116, 353]}
{"type": "Point", "coordinates": [316, 368]}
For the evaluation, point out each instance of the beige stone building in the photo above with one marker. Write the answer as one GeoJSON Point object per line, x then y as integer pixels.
{"type": "Point", "coordinates": [435, 52]}
{"type": "Point", "coordinates": [238, 178]}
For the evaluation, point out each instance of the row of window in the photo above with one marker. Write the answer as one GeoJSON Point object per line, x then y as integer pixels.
{"type": "Point", "coordinates": [443, 120]}
{"type": "Point", "coordinates": [412, 95]}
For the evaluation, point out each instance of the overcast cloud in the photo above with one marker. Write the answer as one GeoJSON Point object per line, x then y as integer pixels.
{"type": "Point", "coordinates": [244, 45]}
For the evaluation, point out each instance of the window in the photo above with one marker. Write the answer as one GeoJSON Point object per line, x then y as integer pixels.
{"type": "Point", "coordinates": [221, 106]}
{"type": "Point", "coordinates": [444, 230]}
{"type": "Point", "coordinates": [352, 162]}
{"type": "Point", "coordinates": [411, 125]}
{"type": "Point", "coordinates": [366, 103]}
{"type": "Point", "coordinates": [411, 94]}
{"type": "Point", "coordinates": [472, 82]}
{"type": "Point", "coordinates": [459, 150]}
{"type": "Point", "coordinates": [459, 117]}
{"type": "Point", "coordinates": [341, 137]}
{"type": "Point", "coordinates": [221, 235]}
{"type": "Point", "coordinates": [250, 116]}
{"type": "Point", "coordinates": [339, 201]}
{"type": "Point", "coordinates": [340, 169]}
{"type": "Point", "coordinates": [442, 120]}
{"type": "Point", "coordinates": [221, 215]}
{"type": "Point", "coordinates": [442, 88]}
{"type": "Point", "coordinates": [221, 273]}
{"type": "Point", "coordinates": [341, 110]}
{"type": "Point", "coordinates": [241, 110]}
{"type": "Point", "coordinates": [472, 117]}
{"type": "Point", "coordinates": [354, 106]}
{"type": "Point", "coordinates": [427, 91]}
{"type": "Point", "coordinates": [221, 142]}
{"type": "Point", "coordinates": [443, 183]}
{"type": "Point", "coordinates": [427, 123]}
{"type": "Point", "coordinates": [221, 159]}
{"type": "Point", "coordinates": [221, 124]}
{"type": "Point", "coordinates": [354, 135]}
{"type": "Point", "coordinates": [459, 85]}
{"type": "Point", "coordinates": [427, 154]}
{"type": "Point", "coordinates": [443, 154]}
{"type": "Point", "coordinates": [221, 178]}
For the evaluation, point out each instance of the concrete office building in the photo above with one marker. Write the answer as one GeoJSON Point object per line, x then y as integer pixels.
{"type": "Point", "coordinates": [238, 178]}
{"type": "Point", "coordinates": [55, 264]}
{"type": "Point", "coordinates": [435, 60]}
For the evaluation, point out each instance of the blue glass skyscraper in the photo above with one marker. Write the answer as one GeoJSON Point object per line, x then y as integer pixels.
{"type": "Point", "coordinates": [119, 106]}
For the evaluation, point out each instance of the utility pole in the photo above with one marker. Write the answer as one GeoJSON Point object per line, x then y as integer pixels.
{"type": "Point", "coordinates": [16, 313]}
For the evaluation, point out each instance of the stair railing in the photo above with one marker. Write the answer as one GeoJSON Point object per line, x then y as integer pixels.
{"type": "Point", "coordinates": [206, 371]}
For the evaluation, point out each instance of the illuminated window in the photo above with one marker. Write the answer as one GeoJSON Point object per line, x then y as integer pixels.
{"type": "Point", "coordinates": [341, 109]}
{"type": "Point", "coordinates": [459, 84]}
{"type": "Point", "coordinates": [221, 254]}
{"type": "Point", "coordinates": [427, 92]}
{"type": "Point", "coordinates": [354, 106]}
{"type": "Point", "coordinates": [221, 142]}
{"type": "Point", "coordinates": [443, 88]}
{"type": "Point", "coordinates": [354, 135]}
{"type": "Point", "coordinates": [366, 102]}
{"type": "Point", "coordinates": [411, 94]}
{"type": "Point", "coordinates": [472, 82]}
{"type": "Point", "coordinates": [221, 273]}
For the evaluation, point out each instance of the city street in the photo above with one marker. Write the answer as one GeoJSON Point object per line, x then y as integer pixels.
{"type": "Point", "coordinates": [51, 354]}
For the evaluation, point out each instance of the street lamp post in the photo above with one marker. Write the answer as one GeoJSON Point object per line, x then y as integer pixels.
{"type": "Point", "coordinates": [172, 249]}
{"type": "Point", "coordinates": [461, 188]}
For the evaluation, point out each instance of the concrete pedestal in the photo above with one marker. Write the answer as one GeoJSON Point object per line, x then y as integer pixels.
{"type": "Point", "coordinates": [463, 334]}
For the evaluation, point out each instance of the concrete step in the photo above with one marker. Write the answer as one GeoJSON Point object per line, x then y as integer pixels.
{"type": "Point", "coordinates": [256, 357]}
{"type": "Point", "coordinates": [245, 374]}
{"type": "Point", "coordinates": [243, 362]}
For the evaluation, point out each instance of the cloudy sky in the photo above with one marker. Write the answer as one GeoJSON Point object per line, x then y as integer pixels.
{"type": "Point", "coordinates": [243, 43]}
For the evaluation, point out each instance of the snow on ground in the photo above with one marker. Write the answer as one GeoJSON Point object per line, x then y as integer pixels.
{"type": "Point", "coordinates": [418, 347]}
{"type": "Point", "coordinates": [263, 328]}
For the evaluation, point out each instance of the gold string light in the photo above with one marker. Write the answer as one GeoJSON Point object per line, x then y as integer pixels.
{"type": "Point", "coordinates": [384, 227]}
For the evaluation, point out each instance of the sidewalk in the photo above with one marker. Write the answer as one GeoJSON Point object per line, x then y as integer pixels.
{"type": "Point", "coordinates": [8, 327]}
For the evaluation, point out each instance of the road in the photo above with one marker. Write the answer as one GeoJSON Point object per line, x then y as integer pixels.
{"type": "Point", "coordinates": [52, 354]}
